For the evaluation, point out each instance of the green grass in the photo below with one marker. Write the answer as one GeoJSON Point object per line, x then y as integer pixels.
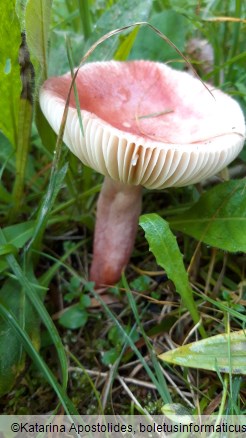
{"type": "Point", "coordinates": [47, 211]}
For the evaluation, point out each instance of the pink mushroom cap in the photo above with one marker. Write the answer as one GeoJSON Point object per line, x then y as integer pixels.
{"type": "Point", "coordinates": [145, 123]}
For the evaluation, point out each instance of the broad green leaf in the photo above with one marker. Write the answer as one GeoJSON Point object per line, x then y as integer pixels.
{"type": "Point", "coordinates": [163, 244]}
{"type": "Point", "coordinates": [6, 154]}
{"type": "Point", "coordinates": [5, 196]}
{"type": "Point", "coordinates": [10, 83]}
{"type": "Point", "coordinates": [74, 317]}
{"type": "Point", "coordinates": [58, 62]}
{"type": "Point", "coordinates": [7, 249]}
{"type": "Point", "coordinates": [218, 218]}
{"type": "Point", "coordinates": [109, 357]}
{"type": "Point", "coordinates": [7, 158]}
{"type": "Point", "coordinates": [37, 33]}
{"type": "Point", "coordinates": [19, 234]}
{"type": "Point", "coordinates": [225, 353]}
{"type": "Point", "coordinates": [45, 131]}
{"type": "Point", "coordinates": [122, 13]}
{"type": "Point", "coordinates": [12, 359]}
{"type": "Point", "coordinates": [149, 46]}
{"type": "Point", "coordinates": [85, 301]}
{"type": "Point", "coordinates": [16, 236]}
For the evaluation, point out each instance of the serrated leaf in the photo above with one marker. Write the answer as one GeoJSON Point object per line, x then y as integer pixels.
{"type": "Point", "coordinates": [225, 353]}
{"type": "Point", "coordinates": [218, 218]}
{"type": "Point", "coordinates": [163, 244]}
{"type": "Point", "coordinates": [10, 83]}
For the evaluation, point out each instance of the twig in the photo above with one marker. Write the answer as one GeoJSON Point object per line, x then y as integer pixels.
{"type": "Point", "coordinates": [170, 380]}
{"type": "Point", "coordinates": [105, 375]}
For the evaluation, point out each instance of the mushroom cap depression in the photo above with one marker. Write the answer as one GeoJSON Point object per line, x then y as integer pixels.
{"type": "Point", "coordinates": [145, 123]}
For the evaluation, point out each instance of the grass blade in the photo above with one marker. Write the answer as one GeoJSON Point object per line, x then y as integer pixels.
{"type": "Point", "coordinates": [76, 95]}
{"type": "Point", "coordinates": [55, 183]}
{"type": "Point", "coordinates": [37, 359]}
{"type": "Point", "coordinates": [84, 10]}
{"type": "Point", "coordinates": [40, 308]}
{"type": "Point", "coordinates": [162, 387]}
{"type": "Point", "coordinates": [130, 342]}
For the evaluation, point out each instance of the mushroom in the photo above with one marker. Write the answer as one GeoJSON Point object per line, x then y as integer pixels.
{"type": "Point", "coordinates": [144, 125]}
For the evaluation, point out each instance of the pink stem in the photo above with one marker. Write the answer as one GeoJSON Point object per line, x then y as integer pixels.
{"type": "Point", "coordinates": [118, 210]}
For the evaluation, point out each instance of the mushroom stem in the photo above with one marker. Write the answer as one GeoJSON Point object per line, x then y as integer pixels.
{"type": "Point", "coordinates": [118, 210]}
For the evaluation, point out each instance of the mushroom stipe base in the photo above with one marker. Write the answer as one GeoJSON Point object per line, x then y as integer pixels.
{"type": "Point", "coordinates": [118, 210]}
